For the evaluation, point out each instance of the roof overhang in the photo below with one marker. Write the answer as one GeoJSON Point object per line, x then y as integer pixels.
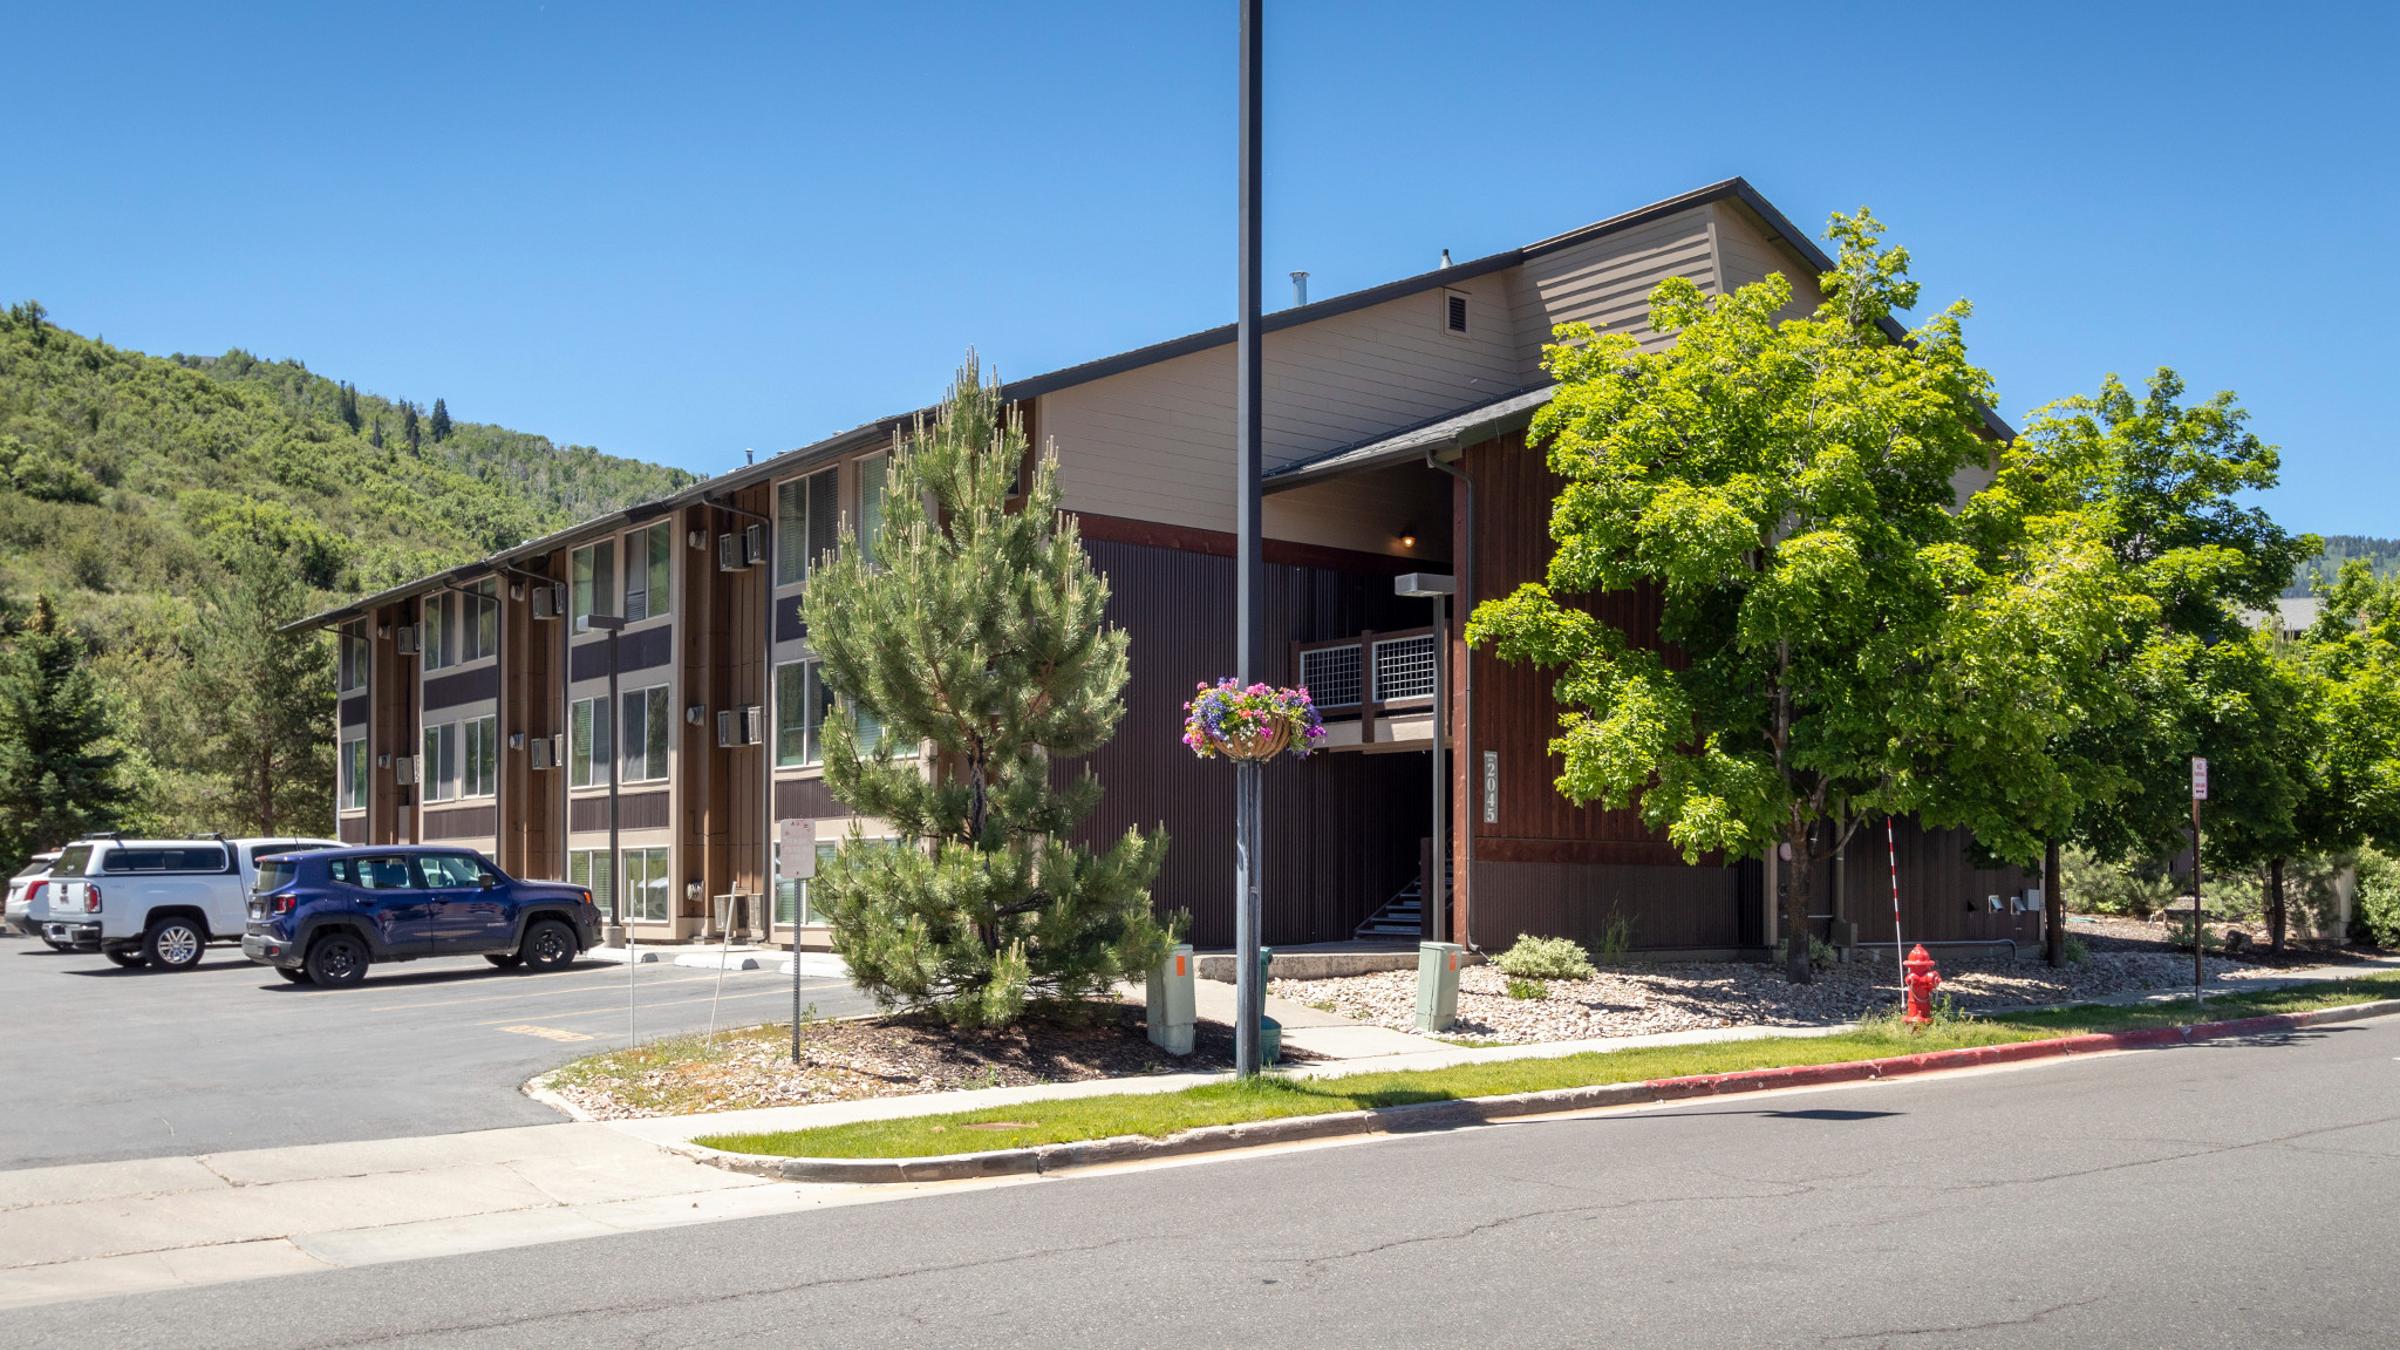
{"type": "Point", "coordinates": [1441, 436]}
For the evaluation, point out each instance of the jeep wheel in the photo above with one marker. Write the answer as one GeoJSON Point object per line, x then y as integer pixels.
{"type": "Point", "coordinates": [131, 960]}
{"type": "Point", "coordinates": [505, 960]}
{"type": "Point", "coordinates": [336, 961]}
{"type": "Point", "coordinates": [174, 944]}
{"type": "Point", "coordinates": [294, 974]}
{"type": "Point", "coordinates": [549, 945]}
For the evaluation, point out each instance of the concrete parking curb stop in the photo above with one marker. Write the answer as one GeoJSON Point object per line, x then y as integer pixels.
{"type": "Point", "coordinates": [1448, 1115]}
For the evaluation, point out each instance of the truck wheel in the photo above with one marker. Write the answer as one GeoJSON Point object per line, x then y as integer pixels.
{"type": "Point", "coordinates": [336, 961]}
{"type": "Point", "coordinates": [131, 960]}
{"type": "Point", "coordinates": [505, 960]}
{"type": "Point", "coordinates": [549, 945]}
{"type": "Point", "coordinates": [174, 944]}
{"type": "Point", "coordinates": [293, 974]}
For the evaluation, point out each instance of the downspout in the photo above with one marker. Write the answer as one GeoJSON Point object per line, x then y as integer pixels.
{"type": "Point", "coordinates": [766, 699]}
{"type": "Point", "coordinates": [1465, 549]}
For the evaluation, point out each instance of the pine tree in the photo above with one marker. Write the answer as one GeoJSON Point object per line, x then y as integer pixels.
{"type": "Point", "coordinates": [980, 633]}
{"type": "Point", "coordinates": [376, 439]}
{"type": "Point", "coordinates": [409, 427]}
{"type": "Point", "coordinates": [59, 765]}
{"type": "Point", "coordinates": [348, 405]}
{"type": "Point", "coordinates": [265, 697]}
{"type": "Point", "coordinates": [441, 422]}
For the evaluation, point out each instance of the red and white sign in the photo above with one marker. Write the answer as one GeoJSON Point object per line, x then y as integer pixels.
{"type": "Point", "coordinates": [2199, 779]}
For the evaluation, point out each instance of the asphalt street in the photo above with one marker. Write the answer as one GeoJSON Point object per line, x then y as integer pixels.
{"type": "Point", "coordinates": [2231, 1194]}
{"type": "Point", "coordinates": [99, 1063]}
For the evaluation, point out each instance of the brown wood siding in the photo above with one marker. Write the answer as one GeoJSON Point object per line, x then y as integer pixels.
{"type": "Point", "coordinates": [392, 726]}
{"type": "Point", "coordinates": [806, 799]}
{"type": "Point", "coordinates": [465, 686]}
{"type": "Point", "coordinates": [532, 844]}
{"type": "Point", "coordinates": [740, 679]}
{"type": "Point", "coordinates": [1943, 895]}
{"type": "Point", "coordinates": [635, 811]}
{"type": "Point", "coordinates": [1672, 906]}
{"type": "Point", "coordinates": [463, 822]}
{"type": "Point", "coordinates": [1341, 830]}
{"type": "Point", "coordinates": [352, 829]}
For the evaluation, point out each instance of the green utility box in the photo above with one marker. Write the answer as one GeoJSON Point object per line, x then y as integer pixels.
{"type": "Point", "coordinates": [1170, 1002]}
{"type": "Point", "coordinates": [1437, 985]}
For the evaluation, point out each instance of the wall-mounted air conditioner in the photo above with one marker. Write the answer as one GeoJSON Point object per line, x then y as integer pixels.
{"type": "Point", "coordinates": [544, 753]}
{"type": "Point", "coordinates": [550, 600]}
{"type": "Point", "coordinates": [408, 639]}
{"type": "Point", "coordinates": [754, 725]}
{"type": "Point", "coordinates": [725, 729]}
{"type": "Point", "coordinates": [754, 545]}
{"type": "Point", "coordinates": [404, 770]}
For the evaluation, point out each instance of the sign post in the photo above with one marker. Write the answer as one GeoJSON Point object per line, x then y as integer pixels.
{"type": "Point", "coordinates": [2199, 795]}
{"type": "Point", "coordinates": [796, 861]}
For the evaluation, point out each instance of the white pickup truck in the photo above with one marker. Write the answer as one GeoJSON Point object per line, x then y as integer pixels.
{"type": "Point", "coordinates": [156, 902]}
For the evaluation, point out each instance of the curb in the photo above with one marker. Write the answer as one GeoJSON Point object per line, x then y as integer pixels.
{"type": "Point", "coordinates": [1430, 1116]}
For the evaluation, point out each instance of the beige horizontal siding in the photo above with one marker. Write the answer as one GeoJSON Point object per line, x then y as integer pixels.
{"type": "Point", "coordinates": [1157, 443]}
{"type": "Point", "coordinates": [1606, 282]}
{"type": "Point", "coordinates": [1750, 253]}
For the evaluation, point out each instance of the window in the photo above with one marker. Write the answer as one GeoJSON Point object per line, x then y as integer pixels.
{"type": "Point", "coordinates": [594, 571]}
{"type": "Point", "coordinates": [801, 702]}
{"type": "Point", "coordinates": [449, 871]}
{"type": "Point", "coordinates": [872, 736]}
{"type": "Point", "coordinates": [375, 874]}
{"type": "Point", "coordinates": [791, 896]}
{"type": "Point", "coordinates": [587, 743]}
{"type": "Point", "coordinates": [202, 858]}
{"type": "Point", "coordinates": [807, 513]}
{"type": "Point", "coordinates": [646, 885]}
{"type": "Point", "coordinates": [433, 635]}
{"type": "Point", "coordinates": [588, 868]}
{"type": "Point", "coordinates": [439, 769]}
{"type": "Point", "coordinates": [649, 572]}
{"type": "Point", "coordinates": [353, 657]}
{"type": "Point", "coordinates": [871, 473]}
{"type": "Point", "coordinates": [646, 734]}
{"type": "Point", "coordinates": [354, 774]}
{"type": "Point", "coordinates": [480, 768]}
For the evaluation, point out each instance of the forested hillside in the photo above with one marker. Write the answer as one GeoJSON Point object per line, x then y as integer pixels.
{"type": "Point", "coordinates": [2381, 554]}
{"type": "Point", "coordinates": [173, 510]}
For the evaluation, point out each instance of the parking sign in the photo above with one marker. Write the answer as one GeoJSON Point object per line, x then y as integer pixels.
{"type": "Point", "coordinates": [2199, 779]}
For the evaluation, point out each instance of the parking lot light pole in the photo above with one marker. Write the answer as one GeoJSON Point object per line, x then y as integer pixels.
{"type": "Point", "coordinates": [611, 624]}
{"type": "Point", "coordinates": [1437, 588]}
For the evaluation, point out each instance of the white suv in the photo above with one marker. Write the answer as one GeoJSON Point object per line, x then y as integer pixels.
{"type": "Point", "coordinates": [27, 902]}
{"type": "Point", "coordinates": [156, 902]}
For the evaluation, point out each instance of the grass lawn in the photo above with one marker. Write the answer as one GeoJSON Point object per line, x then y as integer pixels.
{"type": "Point", "coordinates": [1165, 1113]}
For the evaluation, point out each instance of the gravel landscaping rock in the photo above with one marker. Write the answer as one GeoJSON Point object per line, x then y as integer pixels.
{"type": "Point", "coordinates": [1635, 1000]}
{"type": "Point", "coordinates": [869, 1057]}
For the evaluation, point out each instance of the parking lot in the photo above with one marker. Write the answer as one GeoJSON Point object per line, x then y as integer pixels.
{"type": "Point", "coordinates": [103, 1064]}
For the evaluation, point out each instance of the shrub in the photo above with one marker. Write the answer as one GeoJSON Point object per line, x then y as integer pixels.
{"type": "Point", "coordinates": [2095, 885]}
{"type": "Point", "coordinates": [2376, 915]}
{"type": "Point", "coordinates": [1616, 939]}
{"type": "Point", "coordinates": [1528, 989]}
{"type": "Point", "coordinates": [1820, 953]}
{"type": "Point", "coordinates": [1545, 958]}
{"type": "Point", "coordinates": [2077, 953]}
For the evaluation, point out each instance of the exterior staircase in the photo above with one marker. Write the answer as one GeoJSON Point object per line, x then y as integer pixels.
{"type": "Point", "coordinates": [1401, 918]}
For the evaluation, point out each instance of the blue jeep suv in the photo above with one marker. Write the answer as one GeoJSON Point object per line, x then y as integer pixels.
{"type": "Point", "coordinates": [323, 916]}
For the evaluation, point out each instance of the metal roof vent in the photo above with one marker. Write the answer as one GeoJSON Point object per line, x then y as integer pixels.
{"type": "Point", "coordinates": [1299, 288]}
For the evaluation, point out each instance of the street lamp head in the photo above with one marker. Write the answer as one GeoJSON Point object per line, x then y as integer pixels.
{"type": "Point", "coordinates": [600, 623]}
{"type": "Point", "coordinates": [1424, 585]}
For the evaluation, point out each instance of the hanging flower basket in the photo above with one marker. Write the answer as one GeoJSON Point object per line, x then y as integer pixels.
{"type": "Point", "coordinates": [1255, 723]}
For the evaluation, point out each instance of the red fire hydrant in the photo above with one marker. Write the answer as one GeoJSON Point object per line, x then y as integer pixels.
{"type": "Point", "coordinates": [1920, 982]}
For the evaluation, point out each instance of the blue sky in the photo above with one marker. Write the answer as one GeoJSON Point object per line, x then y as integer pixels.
{"type": "Point", "coordinates": [680, 231]}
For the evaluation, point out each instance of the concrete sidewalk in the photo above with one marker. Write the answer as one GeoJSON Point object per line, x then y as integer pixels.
{"type": "Point", "coordinates": [100, 1229]}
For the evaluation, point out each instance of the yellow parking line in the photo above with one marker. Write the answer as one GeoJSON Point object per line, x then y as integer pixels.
{"type": "Point", "coordinates": [619, 1009]}
{"type": "Point", "coordinates": [572, 987]}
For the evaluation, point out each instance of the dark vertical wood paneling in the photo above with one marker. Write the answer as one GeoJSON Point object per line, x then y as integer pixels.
{"type": "Point", "coordinates": [1341, 830]}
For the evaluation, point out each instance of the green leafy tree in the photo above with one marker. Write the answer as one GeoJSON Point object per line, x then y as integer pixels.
{"type": "Point", "coordinates": [1785, 485]}
{"type": "Point", "coordinates": [979, 632]}
{"type": "Point", "coordinates": [2162, 485]}
{"type": "Point", "coordinates": [267, 696]}
{"type": "Point", "coordinates": [59, 759]}
{"type": "Point", "coordinates": [441, 421]}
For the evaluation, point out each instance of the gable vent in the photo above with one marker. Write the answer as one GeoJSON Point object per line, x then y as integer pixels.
{"type": "Point", "coordinates": [1454, 311]}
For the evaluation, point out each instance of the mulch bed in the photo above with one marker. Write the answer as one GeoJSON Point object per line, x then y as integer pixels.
{"type": "Point", "coordinates": [874, 1057]}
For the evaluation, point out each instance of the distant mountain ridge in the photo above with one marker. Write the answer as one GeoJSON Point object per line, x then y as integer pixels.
{"type": "Point", "coordinates": [2381, 554]}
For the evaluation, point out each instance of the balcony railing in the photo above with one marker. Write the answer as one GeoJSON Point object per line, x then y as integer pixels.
{"type": "Point", "coordinates": [1375, 689]}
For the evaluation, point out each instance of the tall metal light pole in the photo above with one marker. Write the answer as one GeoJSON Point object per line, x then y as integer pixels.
{"type": "Point", "coordinates": [612, 625]}
{"type": "Point", "coordinates": [1250, 993]}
